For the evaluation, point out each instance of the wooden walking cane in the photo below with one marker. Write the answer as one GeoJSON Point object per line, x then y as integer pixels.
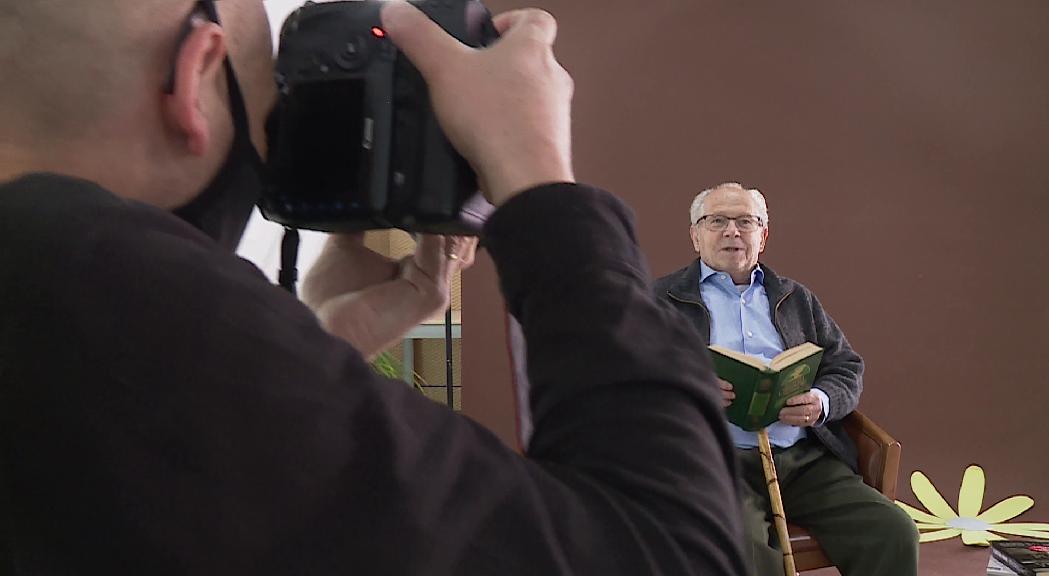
{"type": "Point", "coordinates": [777, 501]}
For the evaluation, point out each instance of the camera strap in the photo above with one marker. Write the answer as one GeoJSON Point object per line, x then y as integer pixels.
{"type": "Point", "coordinates": [288, 275]}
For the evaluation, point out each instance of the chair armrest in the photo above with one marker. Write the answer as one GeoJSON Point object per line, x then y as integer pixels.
{"type": "Point", "coordinates": [879, 453]}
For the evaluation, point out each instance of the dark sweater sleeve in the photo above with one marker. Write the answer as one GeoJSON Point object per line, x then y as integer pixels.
{"type": "Point", "coordinates": [841, 370]}
{"type": "Point", "coordinates": [620, 397]}
{"type": "Point", "coordinates": [166, 411]}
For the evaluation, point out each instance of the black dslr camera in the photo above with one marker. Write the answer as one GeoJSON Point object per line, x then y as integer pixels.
{"type": "Point", "coordinates": [354, 143]}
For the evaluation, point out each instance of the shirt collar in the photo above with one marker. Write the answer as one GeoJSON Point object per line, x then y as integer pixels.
{"type": "Point", "coordinates": [756, 277]}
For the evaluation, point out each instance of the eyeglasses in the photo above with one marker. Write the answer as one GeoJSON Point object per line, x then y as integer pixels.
{"type": "Point", "coordinates": [717, 222]}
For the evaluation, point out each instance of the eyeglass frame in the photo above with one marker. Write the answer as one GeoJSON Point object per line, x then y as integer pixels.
{"type": "Point", "coordinates": [760, 222]}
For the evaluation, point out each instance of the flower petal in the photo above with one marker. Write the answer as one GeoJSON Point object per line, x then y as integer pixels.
{"type": "Point", "coordinates": [970, 495]}
{"type": "Point", "coordinates": [1009, 508]}
{"type": "Point", "coordinates": [939, 535]}
{"type": "Point", "coordinates": [978, 537]}
{"type": "Point", "coordinates": [930, 526]}
{"type": "Point", "coordinates": [1018, 530]}
{"type": "Point", "coordinates": [920, 516]}
{"type": "Point", "coordinates": [930, 497]}
{"type": "Point", "coordinates": [1024, 525]}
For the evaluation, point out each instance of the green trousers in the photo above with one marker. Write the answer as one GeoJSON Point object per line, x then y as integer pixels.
{"type": "Point", "coordinates": [862, 532]}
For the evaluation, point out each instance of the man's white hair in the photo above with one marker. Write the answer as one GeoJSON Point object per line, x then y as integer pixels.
{"type": "Point", "coordinates": [696, 211]}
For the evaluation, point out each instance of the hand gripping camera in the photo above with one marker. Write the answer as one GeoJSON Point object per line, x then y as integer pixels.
{"type": "Point", "coordinates": [354, 143]}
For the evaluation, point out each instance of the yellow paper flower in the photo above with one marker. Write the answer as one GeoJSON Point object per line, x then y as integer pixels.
{"type": "Point", "coordinates": [975, 528]}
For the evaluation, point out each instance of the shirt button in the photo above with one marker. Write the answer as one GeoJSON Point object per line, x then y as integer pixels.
{"type": "Point", "coordinates": [750, 334]}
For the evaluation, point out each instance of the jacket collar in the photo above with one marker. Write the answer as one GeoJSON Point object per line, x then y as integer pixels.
{"type": "Point", "coordinates": [776, 287]}
{"type": "Point", "coordinates": [685, 284]}
{"type": "Point", "coordinates": [757, 275]}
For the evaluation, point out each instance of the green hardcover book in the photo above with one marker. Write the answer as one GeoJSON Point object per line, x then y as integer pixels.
{"type": "Point", "coordinates": [762, 390]}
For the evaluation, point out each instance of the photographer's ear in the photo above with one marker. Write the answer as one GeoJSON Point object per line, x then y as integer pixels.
{"type": "Point", "coordinates": [199, 86]}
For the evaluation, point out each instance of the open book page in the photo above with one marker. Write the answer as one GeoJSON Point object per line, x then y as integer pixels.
{"type": "Point", "coordinates": [792, 355]}
{"type": "Point", "coordinates": [781, 361]}
{"type": "Point", "coordinates": [754, 361]}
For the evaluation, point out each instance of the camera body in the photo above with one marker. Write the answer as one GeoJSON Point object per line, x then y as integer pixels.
{"type": "Point", "coordinates": [353, 142]}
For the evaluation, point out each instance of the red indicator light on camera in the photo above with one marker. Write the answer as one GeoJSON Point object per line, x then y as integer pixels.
{"type": "Point", "coordinates": [378, 32]}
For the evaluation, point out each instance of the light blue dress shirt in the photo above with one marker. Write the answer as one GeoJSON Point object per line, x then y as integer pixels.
{"type": "Point", "coordinates": [740, 319]}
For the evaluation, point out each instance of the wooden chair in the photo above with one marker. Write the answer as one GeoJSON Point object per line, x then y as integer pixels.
{"type": "Point", "coordinates": [879, 460]}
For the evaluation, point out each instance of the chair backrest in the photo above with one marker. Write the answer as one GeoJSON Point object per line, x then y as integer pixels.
{"type": "Point", "coordinates": [879, 461]}
{"type": "Point", "coordinates": [879, 453]}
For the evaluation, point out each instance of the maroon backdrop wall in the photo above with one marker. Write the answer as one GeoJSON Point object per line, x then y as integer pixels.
{"type": "Point", "coordinates": [903, 150]}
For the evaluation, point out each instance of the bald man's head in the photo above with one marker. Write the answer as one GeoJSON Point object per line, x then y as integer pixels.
{"type": "Point", "coordinates": [84, 88]}
{"type": "Point", "coordinates": [66, 65]}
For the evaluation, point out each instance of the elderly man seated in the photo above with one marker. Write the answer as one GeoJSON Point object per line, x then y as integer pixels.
{"type": "Point", "coordinates": [741, 304]}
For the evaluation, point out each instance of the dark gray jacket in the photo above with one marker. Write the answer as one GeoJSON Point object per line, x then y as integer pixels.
{"type": "Point", "coordinates": [798, 317]}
